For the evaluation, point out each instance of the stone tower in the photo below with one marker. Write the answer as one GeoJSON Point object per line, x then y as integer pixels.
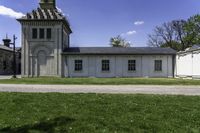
{"type": "Point", "coordinates": [45, 33]}
{"type": "Point", "coordinates": [48, 4]}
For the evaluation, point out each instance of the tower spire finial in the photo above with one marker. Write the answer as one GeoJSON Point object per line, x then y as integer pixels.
{"type": "Point", "coordinates": [48, 4]}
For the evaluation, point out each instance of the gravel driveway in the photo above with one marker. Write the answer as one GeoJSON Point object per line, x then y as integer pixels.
{"type": "Point", "coordinates": [111, 89]}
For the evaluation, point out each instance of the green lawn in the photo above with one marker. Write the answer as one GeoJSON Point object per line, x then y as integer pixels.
{"type": "Point", "coordinates": [102, 81]}
{"type": "Point", "coordinates": [95, 113]}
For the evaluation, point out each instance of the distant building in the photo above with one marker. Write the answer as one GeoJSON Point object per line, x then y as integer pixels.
{"type": "Point", "coordinates": [46, 51]}
{"type": "Point", "coordinates": [6, 59]}
{"type": "Point", "coordinates": [188, 63]}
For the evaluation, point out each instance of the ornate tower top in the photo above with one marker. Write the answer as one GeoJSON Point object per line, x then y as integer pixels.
{"type": "Point", "coordinates": [48, 4]}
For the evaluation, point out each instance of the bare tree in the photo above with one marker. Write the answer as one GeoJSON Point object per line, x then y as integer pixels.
{"type": "Point", "coordinates": [154, 41]}
{"type": "Point", "coordinates": [180, 32]}
{"type": "Point", "coordinates": [162, 35]}
{"type": "Point", "coordinates": [171, 34]}
{"type": "Point", "coordinates": [177, 34]}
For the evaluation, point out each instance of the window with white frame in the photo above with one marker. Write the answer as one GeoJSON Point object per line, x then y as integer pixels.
{"type": "Point", "coordinates": [158, 65]}
{"type": "Point", "coordinates": [78, 65]}
{"type": "Point", "coordinates": [131, 65]}
{"type": "Point", "coordinates": [105, 65]}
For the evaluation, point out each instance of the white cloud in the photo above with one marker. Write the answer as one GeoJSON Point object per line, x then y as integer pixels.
{"type": "Point", "coordinates": [5, 11]}
{"type": "Point", "coordinates": [129, 33]}
{"type": "Point", "coordinates": [138, 22]}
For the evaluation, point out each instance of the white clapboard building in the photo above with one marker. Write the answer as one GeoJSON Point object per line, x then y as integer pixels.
{"type": "Point", "coordinates": [188, 63]}
{"type": "Point", "coordinates": [46, 51]}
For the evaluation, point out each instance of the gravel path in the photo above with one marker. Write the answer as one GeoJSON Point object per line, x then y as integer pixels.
{"type": "Point", "coordinates": [111, 89]}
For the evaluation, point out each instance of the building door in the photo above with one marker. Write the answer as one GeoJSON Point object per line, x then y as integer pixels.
{"type": "Point", "coordinates": [42, 63]}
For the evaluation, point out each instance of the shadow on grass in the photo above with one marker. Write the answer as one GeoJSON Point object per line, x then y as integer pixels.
{"type": "Point", "coordinates": [59, 124]}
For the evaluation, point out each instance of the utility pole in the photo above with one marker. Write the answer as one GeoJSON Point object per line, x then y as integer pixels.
{"type": "Point", "coordinates": [14, 57]}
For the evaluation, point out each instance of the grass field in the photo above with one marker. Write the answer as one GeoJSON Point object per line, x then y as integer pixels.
{"type": "Point", "coordinates": [102, 81]}
{"type": "Point", "coordinates": [93, 113]}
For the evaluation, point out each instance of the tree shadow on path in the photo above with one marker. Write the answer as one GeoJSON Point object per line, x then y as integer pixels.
{"type": "Point", "coordinates": [46, 126]}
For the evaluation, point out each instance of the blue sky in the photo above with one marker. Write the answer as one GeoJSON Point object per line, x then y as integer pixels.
{"type": "Point", "coordinates": [94, 22]}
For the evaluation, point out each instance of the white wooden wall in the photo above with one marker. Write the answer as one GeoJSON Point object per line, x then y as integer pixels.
{"type": "Point", "coordinates": [188, 64]}
{"type": "Point", "coordinates": [119, 66]}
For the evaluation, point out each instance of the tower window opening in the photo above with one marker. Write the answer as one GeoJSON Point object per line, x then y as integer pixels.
{"type": "Point", "coordinates": [34, 33]}
{"type": "Point", "coordinates": [42, 33]}
{"type": "Point", "coordinates": [49, 33]}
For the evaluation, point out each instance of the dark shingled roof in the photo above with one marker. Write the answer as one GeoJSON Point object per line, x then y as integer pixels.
{"type": "Point", "coordinates": [191, 49]}
{"type": "Point", "coordinates": [118, 51]}
{"type": "Point", "coordinates": [44, 14]}
{"type": "Point", "coordinates": [6, 48]}
{"type": "Point", "coordinates": [41, 14]}
{"type": "Point", "coordinates": [194, 47]}
{"type": "Point", "coordinates": [17, 49]}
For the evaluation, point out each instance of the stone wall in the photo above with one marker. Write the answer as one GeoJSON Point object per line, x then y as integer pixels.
{"type": "Point", "coordinates": [6, 62]}
{"type": "Point", "coordinates": [50, 64]}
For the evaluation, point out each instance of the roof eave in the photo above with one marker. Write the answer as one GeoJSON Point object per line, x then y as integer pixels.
{"type": "Point", "coordinates": [189, 51]}
{"type": "Point", "coordinates": [61, 20]}
{"type": "Point", "coordinates": [7, 50]}
{"type": "Point", "coordinates": [71, 53]}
